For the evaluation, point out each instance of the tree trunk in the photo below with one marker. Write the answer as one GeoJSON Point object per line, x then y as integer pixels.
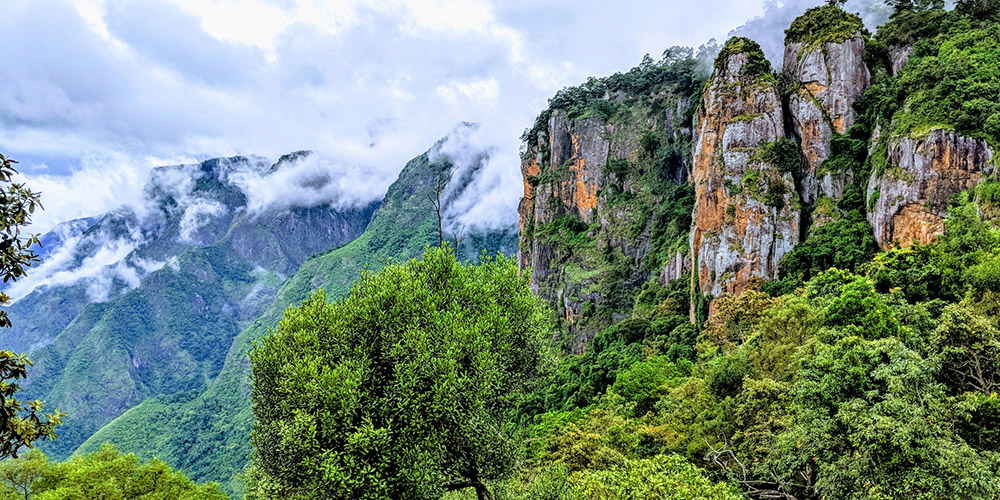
{"type": "Point", "coordinates": [483, 493]}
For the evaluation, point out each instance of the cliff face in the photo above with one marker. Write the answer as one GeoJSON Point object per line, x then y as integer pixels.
{"type": "Point", "coordinates": [564, 183]}
{"type": "Point", "coordinates": [745, 216]}
{"type": "Point", "coordinates": [909, 198]}
{"type": "Point", "coordinates": [826, 80]}
{"type": "Point", "coordinates": [603, 210]}
{"type": "Point", "coordinates": [764, 163]}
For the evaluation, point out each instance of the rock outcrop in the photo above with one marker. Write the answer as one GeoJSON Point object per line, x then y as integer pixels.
{"type": "Point", "coordinates": [826, 80]}
{"type": "Point", "coordinates": [562, 183]}
{"type": "Point", "coordinates": [745, 216]}
{"type": "Point", "coordinates": [595, 182]}
{"type": "Point", "coordinates": [909, 198]}
{"type": "Point", "coordinates": [899, 55]}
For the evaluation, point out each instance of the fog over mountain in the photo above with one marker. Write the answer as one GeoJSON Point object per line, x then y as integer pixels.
{"type": "Point", "coordinates": [97, 92]}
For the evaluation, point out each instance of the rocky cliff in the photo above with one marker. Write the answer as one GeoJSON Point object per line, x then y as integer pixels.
{"type": "Point", "coordinates": [773, 160]}
{"type": "Point", "coordinates": [605, 202]}
{"type": "Point", "coordinates": [746, 207]}
{"type": "Point", "coordinates": [825, 79]}
{"type": "Point", "coordinates": [909, 197]}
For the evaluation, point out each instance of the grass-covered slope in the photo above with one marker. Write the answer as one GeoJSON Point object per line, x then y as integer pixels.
{"type": "Point", "coordinates": [205, 433]}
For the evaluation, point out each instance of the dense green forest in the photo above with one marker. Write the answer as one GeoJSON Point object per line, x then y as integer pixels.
{"type": "Point", "coordinates": [862, 372]}
{"type": "Point", "coordinates": [105, 474]}
{"type": "Point", "coordinates": [859, 374]}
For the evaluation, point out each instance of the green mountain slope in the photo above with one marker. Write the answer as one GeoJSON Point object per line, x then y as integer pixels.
{"type": "Point", "coordinates": [171, 332]}
{"type": "Point", "coordinates": [205, 433]}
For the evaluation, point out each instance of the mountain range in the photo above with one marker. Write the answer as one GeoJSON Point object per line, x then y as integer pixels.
{"type": "Point", "coordinates": [140, 328]}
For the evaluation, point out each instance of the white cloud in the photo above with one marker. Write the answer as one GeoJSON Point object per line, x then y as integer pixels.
{"type": "Point", "coordinates": [196, 215]}
{"type": "Point", "coordinates": [61, 268]}
{"type": "Point", "coordinates": [481, 92]}
{"type": "Point", "coordinates": [306, 182]}
{"type": "Point", "coordinates": [94, 93]}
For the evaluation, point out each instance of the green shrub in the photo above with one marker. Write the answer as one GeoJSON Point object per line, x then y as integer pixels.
{"type": "Point", "coordinates": [824, 24]}
{"type": "Point", "coordinates": [757, 64]}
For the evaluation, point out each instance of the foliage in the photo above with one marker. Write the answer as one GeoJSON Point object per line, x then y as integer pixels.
{"type": "Point", "coordinates": [105, 474]}
{"type": "Point", "coordinates": [969, 343]}
{"type": "Point", "coordinates": [824, 24]}
{"type": "Point", "coordinates": [952, 80]}
{"type": "Point", "coordinates": [401, 389]}
{"type": "Point", "coordinates": [846, 243]}
{"type": "Point", "coordinates": [21, 423]}
{"type": "Point", "coordinates": [678, 68]}
{"type": "Point", "coordinates": [784, 154]}
{"type": "Point", "coordinates": [756, 64]}
{"type": "Point", "coordinates": [666, 477]}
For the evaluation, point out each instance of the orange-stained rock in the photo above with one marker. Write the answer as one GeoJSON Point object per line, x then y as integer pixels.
{"type": "Point", "coordinates": [567, 179]}
{"type": "Point", "coordinates": [910, 198]}
{"type": "Point", "coordinates": [914, 224]}
{"type": "Point", "coordinates": [744, 218]}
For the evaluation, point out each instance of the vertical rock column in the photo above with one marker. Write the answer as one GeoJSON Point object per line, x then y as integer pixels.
{"type": "Point", "coordinates": [826, 80]}
{"type": "Point", "coordinates": [562, 176]}
{"type": "Point", "coordinates": [746, 216]}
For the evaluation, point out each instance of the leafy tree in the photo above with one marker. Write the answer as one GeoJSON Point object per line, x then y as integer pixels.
{"type": "Point", "coordinates": [105, 474]}
{"type": "Point", "coordinates": [21, 423]}
{"type": "Point", "coordinates": [845, 244]}
{"type": "Point", "coordinates": [22, 475]}
{"type": "Point", "coordinates": [969, 343]}
{"type": "Point", "coordinates": [667, 477]}
{"type": "Point", "coordinates": [871, 423]}
{"type": "Point", "coordinates": [979, 9]}
{"type": "Point", "coordinates": [403, 389]}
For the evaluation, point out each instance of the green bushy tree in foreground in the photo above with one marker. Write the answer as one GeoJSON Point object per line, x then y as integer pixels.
{"type": "Point", "coordinates": [105, 474]}
{"type": "Point", "coordinates": [405, 388]}
{"type": "Point", "coordinates": [21, 423]}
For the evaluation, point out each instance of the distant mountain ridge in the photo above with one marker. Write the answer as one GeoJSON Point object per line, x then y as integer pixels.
{"type": "Point", "coordinates": [159, 368]}
{"type": "Point", "coordinates": [148, 298]}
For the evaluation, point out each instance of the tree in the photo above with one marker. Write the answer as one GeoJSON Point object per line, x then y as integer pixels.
{"type": "Point", "coordinates": [20, 423]}
{"type": "Point", "coordinates": [23, 475]}
{"type": "Point", "coordinates": [969, 344]}
{"type": "Point", "coordinates": [105, 474]}
{"type": "Point", "coordinates": [405, 388]}
{"type": "Point", "coordinates": [899, 6]}
{"type": "Point", "coordinates": [870, 422]}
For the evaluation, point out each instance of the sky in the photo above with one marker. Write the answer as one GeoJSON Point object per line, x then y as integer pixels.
{"type": "Point", "coordinates": [94, 93]}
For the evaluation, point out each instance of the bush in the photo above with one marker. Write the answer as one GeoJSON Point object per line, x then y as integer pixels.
{"type": "Point", "coordinates": [824, 24]}
{"type": "Point", "coordinates": [757, 64]}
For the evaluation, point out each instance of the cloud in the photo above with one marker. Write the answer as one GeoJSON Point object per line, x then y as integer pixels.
{"type": "Point", "coordinates": [196, 215]}
{"type": "Point", "coordinates": [478, 196]}
{"type": "Point", "coordinates": [66, 266]}
{"type": "Point", "coordinates": [95, 93]}
{"type": "Point", "coordinates": [308, 181]}
{"type": "Point", "coordinates": [769, 28]}
{"type": "Point", "coordinates": [174, 40]}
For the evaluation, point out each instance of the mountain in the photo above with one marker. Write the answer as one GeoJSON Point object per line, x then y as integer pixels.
{"type": "Point", "coordinates": [607, 204]}
{"type": "Point", "coordinates": [748, 178]}
{"type": "Point", "coordinates": [145, 301]}
{"type": "Point", "coordinates": [204, 431]}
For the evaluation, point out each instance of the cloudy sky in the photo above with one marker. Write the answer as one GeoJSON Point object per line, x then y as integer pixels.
{"type": "Point", "coordinates": [93, 93]}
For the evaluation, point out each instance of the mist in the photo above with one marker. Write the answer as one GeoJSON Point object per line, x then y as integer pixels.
{"type": "Point", "coordinates": [769, 28]}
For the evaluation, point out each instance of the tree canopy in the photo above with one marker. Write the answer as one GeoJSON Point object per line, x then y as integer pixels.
{"type": "Point", "coordinates": [405, 388]}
